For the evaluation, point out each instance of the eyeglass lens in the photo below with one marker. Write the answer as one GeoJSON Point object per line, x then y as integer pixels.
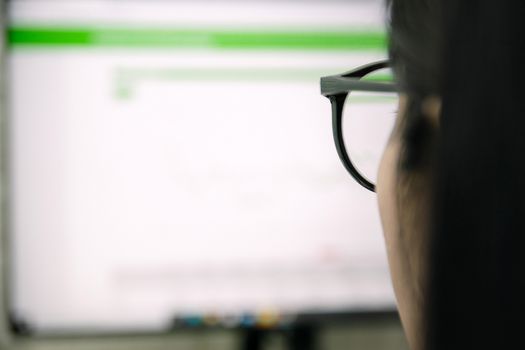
{"type": "Point", "coordinates": [368, 119]}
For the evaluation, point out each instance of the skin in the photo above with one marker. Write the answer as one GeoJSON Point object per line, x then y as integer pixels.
{"type": "Point", "coordinates": [403, 205]}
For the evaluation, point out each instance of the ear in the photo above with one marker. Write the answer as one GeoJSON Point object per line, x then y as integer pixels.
{"type": "Point", "coordinates": [431, 108]}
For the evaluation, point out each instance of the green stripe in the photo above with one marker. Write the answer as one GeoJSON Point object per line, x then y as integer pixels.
{"type": "Point", "coordinates": [127, 79]}
{"type": "Point", "coordinates": [177, 38]}
{"type": "Point", "coordinates": [382, 78]}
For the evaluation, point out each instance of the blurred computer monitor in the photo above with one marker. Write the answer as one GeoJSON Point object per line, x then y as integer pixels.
{"type": "Point", "coordinates": [171, 163]}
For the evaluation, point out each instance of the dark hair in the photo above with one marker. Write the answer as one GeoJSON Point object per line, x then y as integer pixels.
{"type": "Point", "coordinates": [470, 53]}
{"type": "Point", "coordinates": [415, 52]}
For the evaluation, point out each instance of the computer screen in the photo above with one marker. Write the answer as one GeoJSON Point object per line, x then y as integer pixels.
{"type": "Point", "coordinates": [172, 162]}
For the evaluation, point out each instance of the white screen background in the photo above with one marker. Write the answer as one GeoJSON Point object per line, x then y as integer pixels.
{"type": "Point", "coordinates": [149, 183]}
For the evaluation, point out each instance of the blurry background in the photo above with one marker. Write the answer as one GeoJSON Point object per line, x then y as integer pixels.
{"type": "Point", "coordinates": [170, 170]}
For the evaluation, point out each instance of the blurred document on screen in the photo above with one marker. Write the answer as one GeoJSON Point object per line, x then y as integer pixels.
{"type": "Point", "coordinates": [175, 158]}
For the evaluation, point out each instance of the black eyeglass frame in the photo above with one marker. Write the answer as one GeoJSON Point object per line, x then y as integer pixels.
{"type": "Point", "coordinates": [337, 88]}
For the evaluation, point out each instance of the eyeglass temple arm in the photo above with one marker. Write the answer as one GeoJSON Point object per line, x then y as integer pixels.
{"type": "Point", "coordinates": [351, 80]}
{"type": "Point", "coordinates": [366, 69]}
{"type": "Point", "coordinates": [334, 85]}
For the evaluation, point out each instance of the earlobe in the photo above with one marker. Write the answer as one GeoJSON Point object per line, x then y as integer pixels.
{"type": "Point", "coordinates": [431, 108]}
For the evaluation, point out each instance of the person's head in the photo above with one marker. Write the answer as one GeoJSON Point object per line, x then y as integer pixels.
{"type": "Point", "coordinates": [454, 231]}
{"type": "Point", "coordinates": [405, 175]}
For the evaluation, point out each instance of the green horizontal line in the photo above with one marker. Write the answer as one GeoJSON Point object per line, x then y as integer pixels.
{"type": "Point", "coordinates": [383, 78]}
{"type": "Point", "coordinates": [179, 38]}
{"type": "Point", "coordinates": [127, 79]}
{"type": "Point", "coordinates": [234, 74]}
{"type": "Point", "coordinates": [222, 74]}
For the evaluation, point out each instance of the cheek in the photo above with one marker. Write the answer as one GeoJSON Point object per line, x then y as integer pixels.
{"type": "Point", "coordinates": [386, 186]}
{"type": "Point", "coordinates": [386, 190]}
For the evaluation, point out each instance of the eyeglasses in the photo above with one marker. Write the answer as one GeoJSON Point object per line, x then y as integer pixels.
{"type": "Point", "coordinates": [361, 121]}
